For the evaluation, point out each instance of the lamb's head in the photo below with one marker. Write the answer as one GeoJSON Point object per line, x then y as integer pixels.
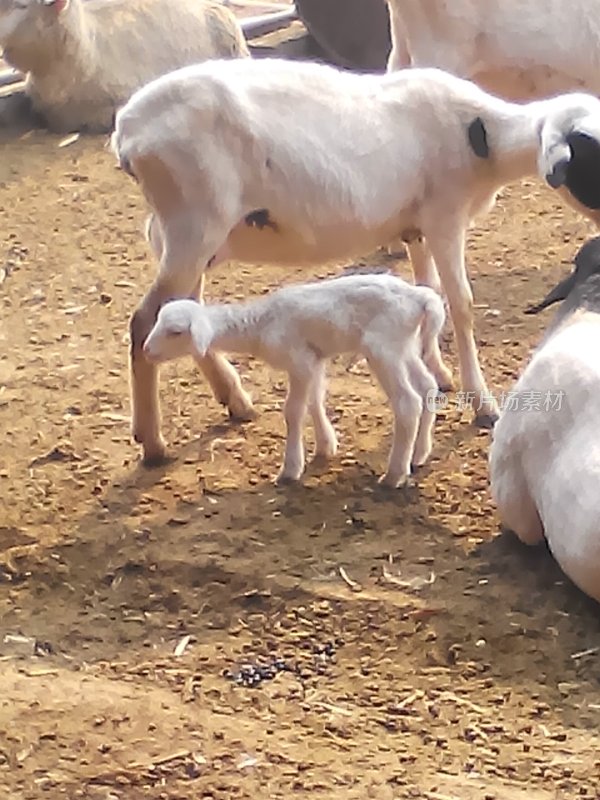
{"type": "Point", "coordinates": [569, 152]}
{"type": "Point", "coordinates": [181, 328]}
{"type": "Point", "coordinates": [586, 273]}
{"type": "Point", "coordinates": [22, 27]}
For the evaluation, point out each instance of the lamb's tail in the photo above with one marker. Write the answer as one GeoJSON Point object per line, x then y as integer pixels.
{"type": "Point", "coordinates": [432, 322]}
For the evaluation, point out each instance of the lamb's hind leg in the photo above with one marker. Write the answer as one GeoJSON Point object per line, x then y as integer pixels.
{"type": "Point", "coordinates": [426, 274]}
{"type": "Point", "coordinates": [295, 413]}
{"type": "Point", "coordinates": [406, 406]}
{"type": "Point", "coordinates": [425, 384]}
{"type": "Point", "coordinates": [325, 438]}
{"type": "Point", "coordinates": [222, 377]}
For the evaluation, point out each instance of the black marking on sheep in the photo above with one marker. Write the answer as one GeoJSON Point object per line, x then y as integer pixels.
{"type": "Point", "coordinates": [477, 134]}
{"type": "Point", "coordinates": [580, 289]}
{"type": "Point", "coordinates": [583, 170]}
{"type": "Point", "coordinates": [260, 219]}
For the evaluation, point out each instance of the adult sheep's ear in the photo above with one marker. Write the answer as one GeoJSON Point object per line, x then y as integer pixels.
{"type": "Point", "coordinates": [56, 5]}
{"type": "Point", "coordinates": [559, 292]}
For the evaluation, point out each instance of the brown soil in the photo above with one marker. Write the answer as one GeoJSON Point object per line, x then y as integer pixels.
{"type": "Point", "coordinates": [470, 686]}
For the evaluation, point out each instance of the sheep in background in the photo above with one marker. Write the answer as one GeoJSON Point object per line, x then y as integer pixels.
{"type": "Point", "coordinates": [230, 175]}
{"type": "Point", "coordinates": [545, 453]}
{"type": "Point", "coordinates": [392, 324]}
{"type": "Point", "coordinates": [83, 59]}
{"type": "Point", "coordinates": [515, 49]}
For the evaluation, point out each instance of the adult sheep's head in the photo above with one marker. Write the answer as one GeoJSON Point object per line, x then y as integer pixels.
{"type": "Point", "coordinates": [22, 27]}
{"type": "Point", "coordinates": [570, 147]}
{"type": "Point", "coordinates": [581, 285]}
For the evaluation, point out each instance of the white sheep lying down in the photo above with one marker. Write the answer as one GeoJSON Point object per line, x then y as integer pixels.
{"type": "Point", "coordinates": [545, 453]}
{"type": "Point", "coordinates": [84, 58]}
{"type": "Point", "coordinates": [296, 329]}
{"type": "Point", "coordinates": [293, 163]}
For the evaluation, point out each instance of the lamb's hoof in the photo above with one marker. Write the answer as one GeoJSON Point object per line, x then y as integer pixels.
{"type": "Point", "coordinates": [286, 480]}
{"type": "Point", "coordinates": [486, 421]}
{"type": "Point", "coordinates": [325, 453]}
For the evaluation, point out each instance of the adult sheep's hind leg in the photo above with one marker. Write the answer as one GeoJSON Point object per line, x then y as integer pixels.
{"type": "Point", "coordinates": [516, 508]}
{"type": "Point", "coordinates": [448, 249]}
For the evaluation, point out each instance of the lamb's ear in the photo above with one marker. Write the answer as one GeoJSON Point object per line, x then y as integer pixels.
{"type": "Point", "coordinates": [477, 134]}
{"type": "Point", "coordinates": [559, 292]}
{"type": "Point", "coordinates": [201, 335]}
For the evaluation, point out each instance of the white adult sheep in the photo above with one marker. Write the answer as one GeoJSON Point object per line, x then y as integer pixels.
{"type": "Point", "coordinates": [392, 324]}
{"type": "Point", "coordinates": [230, 173]}
{"type": "Point", "coordinates": [84, 58]}
{"type": "Point", "coordinates": [516, 49]}
{"type": "Point", "coordinates": [545, 453]}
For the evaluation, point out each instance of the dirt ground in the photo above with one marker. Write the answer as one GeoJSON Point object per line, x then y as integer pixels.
{"type": "Point", "coordinates": [455, 666]}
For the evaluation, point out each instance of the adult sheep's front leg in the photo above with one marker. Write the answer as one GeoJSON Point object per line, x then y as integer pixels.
{"type": "Point", "coordinates": [448, 250]}
{"type": "Point", "coordinates": [222, 377]}
{"type": "Point", "coordinates": [144, 382]}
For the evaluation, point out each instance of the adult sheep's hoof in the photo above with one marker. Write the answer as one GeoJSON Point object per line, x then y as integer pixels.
{"type": "Point", "coordinates": [241, 410]}
{"type": "Point", "coordinates": [153, 461]}
{"type": "Point", "coordinates": [394, 481]}
{"type": "Point", "coordinates": [155, 455]}
{"type": "Point", "coordinates": [486, 421]}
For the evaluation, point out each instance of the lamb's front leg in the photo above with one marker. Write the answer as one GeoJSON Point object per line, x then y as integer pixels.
{"type": "Point", "coordinates": [426, 274]}
{"type": "Point", "coordinates": [325, 438]}
{"type": "Point", "coordinates": [448, 250]}
{"type": "Point", "coordinates": [295, 413]}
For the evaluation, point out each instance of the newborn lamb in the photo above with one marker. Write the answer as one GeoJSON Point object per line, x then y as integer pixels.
{"type": "Point", "coordinates": [393, 324]}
